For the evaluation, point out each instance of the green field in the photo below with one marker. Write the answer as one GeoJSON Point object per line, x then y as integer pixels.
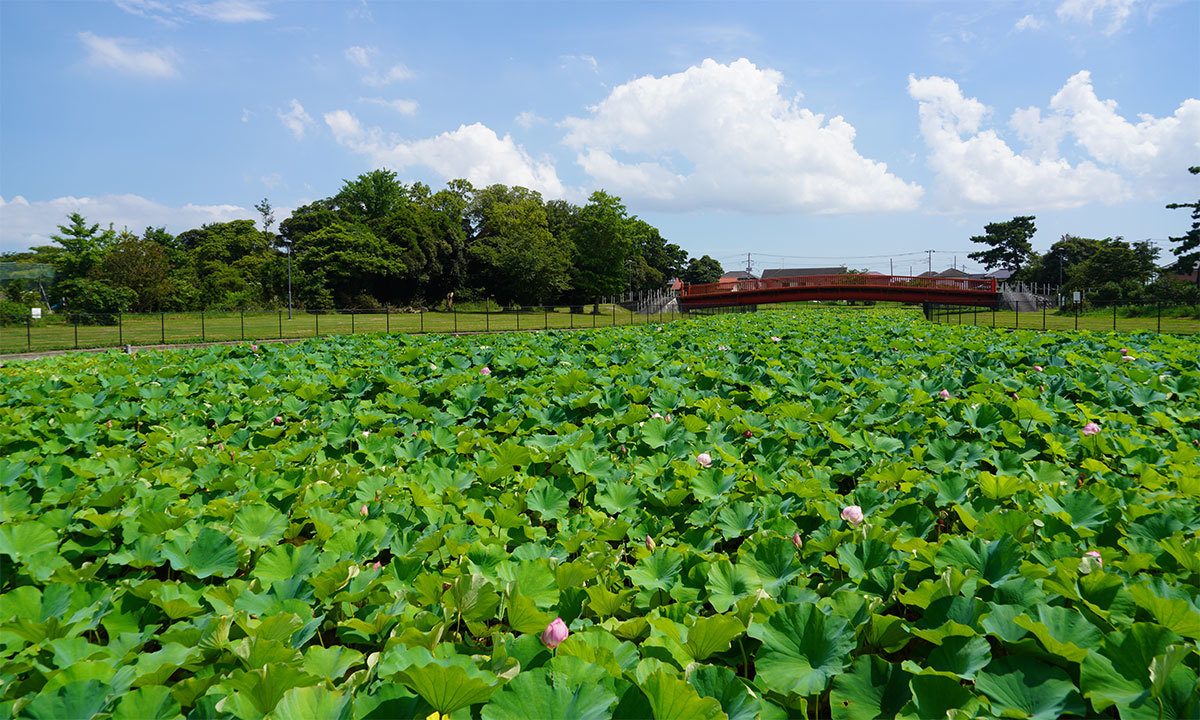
{"type": "Point", "coordinates": [52, 333]}
{"type": "Point", "coordinates": [1178, 320]}
{"type": "Point", "coordinates": [825, 514]}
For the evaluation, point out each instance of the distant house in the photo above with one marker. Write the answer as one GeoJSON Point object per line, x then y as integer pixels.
{"type": "Point", "coordinates": [801, 272]}
{"type": "Point", "coordinates": [732, 278]}
{"type": "Point", "coordinates": [953, 273]}
{"type": "Point", "coordinates": [675, 284]}
{"type": "Point", "coordinates": [1188, 277]}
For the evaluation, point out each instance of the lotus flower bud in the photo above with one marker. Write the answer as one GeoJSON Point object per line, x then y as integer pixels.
{"type": "Point", "coordinates": [668, 418]}
{"type": "Point", "coordinates": [278, 419]}
{"type": "Point", "coordinates": [555, 633]}
{"type": "Point", "coordinates": [853, 515]}
{"type": "Point", "coordinates": [797, 541]}
{"type": "Point", "coordinates": [655, 415]}
{"type": "Point", "coordinates": [366, 433]}
{"type": "Point", "coordinates": [1124, 351]}
{"type": "Point", "coordinates": [1037, 367]}
{"type": "Point", "coordinates": [254, 348]}
{"type": "Point", "coordinates": [945, 394]}
{"type": "Point", "coordinates": [749, 434]}
{"type": "Point", "coordinates": [704, 459]}
{"type": "Point", "coordinates": [775, 338]}
{"type": "Point", "coordinates": [363, 511]}
{"type": "Point", "coordinates": [485, 371]}
{"type": "Point", "coordinates": [1091, 429]}
{"type": "Point", "coordinates": [650, 544]}
{"type": "Point", "coordinates": [1096, 556]}
{"type": "Point", "coordinates": [376, 565]}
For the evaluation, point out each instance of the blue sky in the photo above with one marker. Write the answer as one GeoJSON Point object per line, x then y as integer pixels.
{"type": "Point", "coordinates": [807, 133]}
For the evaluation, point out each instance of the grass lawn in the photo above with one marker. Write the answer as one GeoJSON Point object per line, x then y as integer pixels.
{"type": "Point", "coordinates": [53, 333]}
{"type": "Point", "coordinates": [1178, 320]}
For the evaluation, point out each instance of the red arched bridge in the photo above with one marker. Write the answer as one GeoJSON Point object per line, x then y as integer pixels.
{"type": "Point", "coordinates": [894, 288]}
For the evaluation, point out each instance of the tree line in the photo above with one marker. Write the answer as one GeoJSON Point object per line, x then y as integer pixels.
{"type": "Point", "coordinates": [1109, 270]}
{"type": "Point", "coordinates": [377, 242]}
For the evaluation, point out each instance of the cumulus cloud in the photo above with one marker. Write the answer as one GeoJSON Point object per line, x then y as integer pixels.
{"type": "Point", "coordinates": [24, 224]}
{"type": "Point", "coordinates": [360, 56]}
{"type": "Point", "coordinates": [976, 168]}
{"type": "Point", "coordinates": [1029, 22]}
{"type": "Point", "coordinates": [473, 152]}
{"type": "Point", "coordinates": [1117, 12]}
{"type": "Point", "coordinates": [404, 107]}
{"type": "Point", "coordinates": [387, 77]}
{"type": "Point", "coordinates": [121, 55]}
{"type": "Point", "coordinates": [529, 118]}
{"type": "Point", "coordinates": [296, 120]}
{"type": "Point", "coordinates": [725, 137]}
{"type": "Point", "coordinates": [364, 57]}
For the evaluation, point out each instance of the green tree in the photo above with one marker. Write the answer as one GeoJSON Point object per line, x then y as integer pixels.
{"type": "Point", "coordinates": [233, 264]}
{"type": "Point", "coordinates": [657, 261]}
{"type": "Point", "coordinates": [517, 258]}
{"type": "Point", "coordinates": [1053, 268]}
{"type": "Point", "coordinates": [1008, 243]}
{"type": "Point", "coordinates": [601, 248]}
{"type": "Point", "coordinates": [701, 271]}
{"type": "Point", "coordinates": [83, 247]}
{"type": "Point", "coordinates": [1115, 263]}
{"type": "Point", "coordinates": [372, 196]}
{"type": "Point", "coordinates": [1187, 252]}
{"type": "Point", "coordinates": [141, 266]}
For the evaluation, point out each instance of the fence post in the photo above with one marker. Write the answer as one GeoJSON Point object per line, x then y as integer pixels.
{"type": "Point", "coordinates": [75, 317]}
{"type": "Point", "coordinates": [487, 323]}
{"type": "Point", "coordinates": [28, 333]}
{"type": "Point", "coordinates": [594, 319]}
{"type": "Point", "coordinates": [352, 321]}
{"type": "Point", "coordinates": [316, 323]}
{"type": "Point", "coordinates": [281, 324]}
{"type": "Point", "coordinates": [993, 316]}
{"type": "Point", "coordinates": [162, 328]}
{"type": "Point", "coordinates": [1114, 317]}
{"type": "Point", "coordinates": [387, 319]}
{"type": "Point", "coordinates": [1043, 318]}
{"type": "Point", "coordinates": [242, 315]}
{"type": "Point", "coordinates": [1076, 316]}
{"type": "Point", "coordinates": [518, 317]}
{"type": "Point", "coordinates": [202, 325]}
{"type": "Point", "coordinates": [1158, 303]}
{"type": "Point", "coordinates": [545, 317]}
{"type": "Point", "coordinates": [120, 329]}
{"type": "Point", "coordinates": [455, 311]}
{"type": "Point", "coordinates": [421, 317]}
{"type": "Point", "coordinates": [614, 308]}
{"type": "Point", "coordinates": [1017, 316]}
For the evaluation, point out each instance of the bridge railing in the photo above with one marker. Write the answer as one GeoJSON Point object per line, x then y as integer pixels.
{"type": "Point", "coordinates": [987, 285]}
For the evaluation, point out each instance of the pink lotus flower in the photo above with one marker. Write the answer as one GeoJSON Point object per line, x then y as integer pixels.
{"type": "Point", "coordinates": [555, 633]}
{"type": "Point", "coordinates": [797, 541]}
{"type": "Point", "coordinates": [945, 394]}
{"type": "Point", "coordinates": [1128, 357]}
{"type": "Point", "coordinates": [704, 459]}
{"type": "Point", "coordinates": [749, 434]}
{"type": "Point", "coordinates": [220, 446]}
{"type": "Point", "coordinates": [655, 415]}
{"type": "Point", "coordinates": [254, 348]}
{"type": "Point", "coordinates": [485, 371]}
{"type": "Point", "coordinates": [376, 565]}
{"type": "Point", "coordinates": [650, 544]}
{"type": "Point", "coordinates": [1037, 367]}
{"type": "Point", "coordinates": [722, 347]}
{"type": "Point", "coordinates": [853, 515]}
{"type": "Point", "coordinates": [278, 419]}
{"type": "Point", "coordinates": [366, 433]}
{"type": "Point", "coordinates": [109, 423]}
{"type": "Point", "coordinates": [364, 511]}
{"type": "Point", "coordinates": [1091, 429]}
{"type": "Point", "coordinates": [775, 338]}
{"type": "Point", "coordinates": [1096, 555]}
{"type": "Point", "coordinates": [668, 418]}
{"type": "Point", "coordinates": [1124, 351]}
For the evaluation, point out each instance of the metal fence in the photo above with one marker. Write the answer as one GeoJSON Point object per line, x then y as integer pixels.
{"type": "Point", "coordinates": [81, 330]}
{"type": "Point", "coordinates": [1159, 316]}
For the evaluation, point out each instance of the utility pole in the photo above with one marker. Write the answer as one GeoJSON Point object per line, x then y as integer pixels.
{"type": "Point", "coordinates": [930, 254]}
{"type": "Point", "coordinates": [891, 269]}
{"type": "Point", "coordinates": [747, 263]}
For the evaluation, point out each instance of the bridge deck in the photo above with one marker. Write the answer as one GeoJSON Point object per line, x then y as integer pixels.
{"type": "Point", "coordinates": [895, 288]}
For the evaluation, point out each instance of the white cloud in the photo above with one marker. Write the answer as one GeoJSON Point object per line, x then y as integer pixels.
{"type": "Point", "coordinates": [1085, 11]}
{"type": "Point", "coordinates": [118, 54]}
{"type": "Point", "coordinates": [394, 73]}
{"type": "Point", "coordinates": [1029, 22]}
{"type": "Point", "coordinates": [587, 60]}
{"type": "Point", "coordinates": [229, 11]}
{"type": "Point", "coordinates": [1153, 151]}
{"type": "Point", "coordinates": [247, 113]}
{"type": "Point", "coordinates": [296, 120]}
{"type": "Point", "coordinates": [1117, 159]}
{"type": "Point", "coordinates": [975, 168]}
{"type": "Point", "coordinates": [344, 125]}
{"type": "Point", "coordinates": [473, 152]}
{"type": "Point", "coordinates": [529, 118]}
{"type": "Point", "coordinates": [24, 224]}
{"type": "Point", "coordinates": [725, 137]}
{"type": "Point", "coordinates": [404, 107]}
{"type": "Point", "coordinates": [360, 56]}
{"type": "Point", "coordinates": [148, 9]}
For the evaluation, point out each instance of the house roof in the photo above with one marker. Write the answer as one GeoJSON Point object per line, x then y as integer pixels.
{"type": "Point", "coordinates": [739, 275]}
{"type": "Point", "coordinates": [801, 272]}
{"type": "Point", "coordinates": [953, 273]}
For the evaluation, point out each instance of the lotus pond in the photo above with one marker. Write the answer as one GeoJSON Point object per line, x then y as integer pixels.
{"type": "Point", "coordinates": [375, 527]}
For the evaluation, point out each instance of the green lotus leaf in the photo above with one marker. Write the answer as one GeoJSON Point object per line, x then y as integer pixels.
{"type": "Point", "coordinates": [1119, 672]}
{"type": "Point", "coordinates": [721, 684]}
{"type": "Point", "coordinates": [657, 571]}
{"type": "Point", "coordinates": [554, 696]}
{"type": "Point", "coordinates": [211, 553]}
{"type": "Point", "coordinates": [709, 635]}
{"type": "Point", "coordinates": [933, 696]}
{"type": "Point", "coordinates": [802, 648]}
{"type": "Point", "coordinates": [873, 688]}
{"type": "Point", "coordinates": [774, 560]}
{"type": "Point", "coordinates": [80, 699]}
{"type": "Point", "coordinates": [23, 541]}
{"type": "Point", "coordinates": [153, 702]}
{"type": "Point", "coordinates": [1062, 632]}
{"type": "Point", "coordinates": [671, 698]}
{"type": "Point", "coordinates": [1023, 687]}
{"type": "Point", "coordinates": [259, 525]}
{"type": "Point", "coordinates": [312, 703]}
{"type": "Point", "coordinates": [330, 663]}
{"type": "Point", "coordinates": [963, 656]}
{"type": "Point", "coordinates": [994, 561]}
{"type": "Point", "coordinates": [728, 583]}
